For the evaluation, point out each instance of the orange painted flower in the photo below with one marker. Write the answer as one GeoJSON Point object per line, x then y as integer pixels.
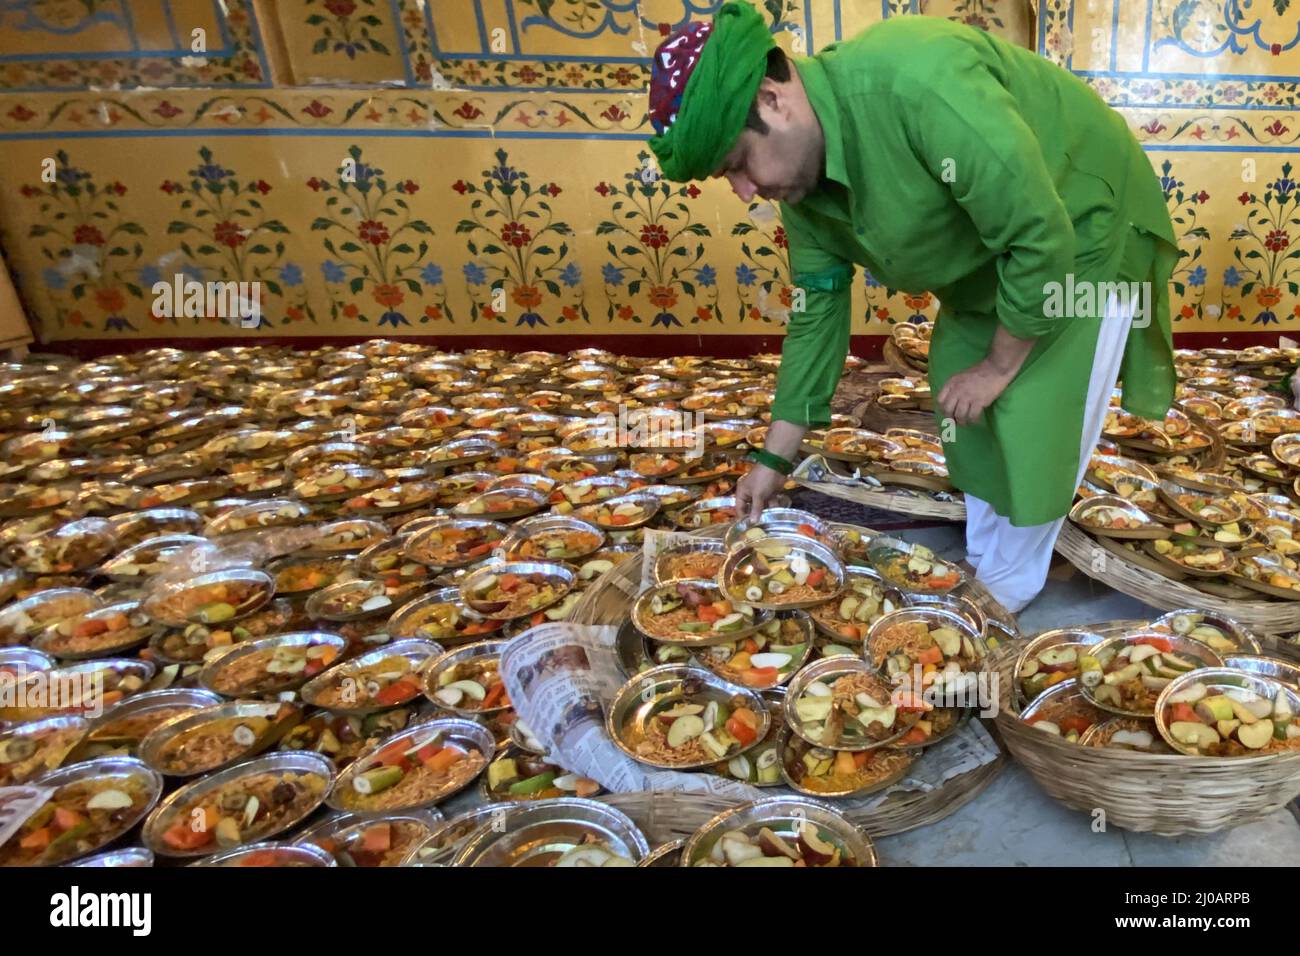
{"type": "Point", "coordinates": [389, 295]}
{"type": "Point", "coordinates": [1269, 296]}
{"type": "Point", "coordinates": [110, 300]}
{"type": "Point", "coordinates": [625, 312]}
{"type": "Point", "coordinates": [755, 314]}
{"type": "Point", "coordinates": [351, 311]}
{"type": "Point", "coordinates": [433, 311]}
{"type": "Point", "coordinates": [1187, 312]}
{"type": "Point", "coordinates": [882, 314]}
{"type": "Point", "coordinates": [529, 296]}
{"type": "Point", "coordinates": [294, 313]}
{"type": "Point", "coordinates": [787, 296]}
{"type": "Point", "coordinates": [1234, 311]}
{"type": "Point", "coordinates": [569, 312]}
{"type": "Point", "coordinates": [662, 297]}
{"type": "Point", "coordinates": [916, 302]}
{"type": "Point", "coordinates": [703, 314]}
{"type": "Point", "coordinates": [76, 318]}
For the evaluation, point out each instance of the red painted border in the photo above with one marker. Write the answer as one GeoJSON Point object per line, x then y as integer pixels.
{"type": "Point", "coordinates": [655, 345]}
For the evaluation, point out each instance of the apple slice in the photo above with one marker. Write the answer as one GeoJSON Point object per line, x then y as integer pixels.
{"type": "Point", "coordinates": [815, 850]}
{"type": "Point", "coordinates": [685, 729]}
{"type": "Point", "coordinates": [772, 845]}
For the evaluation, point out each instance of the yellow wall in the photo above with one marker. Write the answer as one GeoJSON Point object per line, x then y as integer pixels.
{"type": "Point", "coordinates": [460, 118]}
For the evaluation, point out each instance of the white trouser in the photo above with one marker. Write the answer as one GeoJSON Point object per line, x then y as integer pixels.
{"type": "Point", "coordinates": [1012, 562]}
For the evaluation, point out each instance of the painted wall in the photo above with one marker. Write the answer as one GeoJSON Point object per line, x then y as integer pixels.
{"type": "Point", "coordinates": [380, 165]}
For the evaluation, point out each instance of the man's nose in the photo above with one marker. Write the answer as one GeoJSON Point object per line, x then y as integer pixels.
{"type": "Point", "coordinates": [742, 187]}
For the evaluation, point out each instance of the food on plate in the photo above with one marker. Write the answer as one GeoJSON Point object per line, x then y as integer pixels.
{"type": "Point", "coordinates": [267, 670]}
{"type": "Point", "coordinates": [1228, 721]}
{"type": "Point", "coordinates": [473, 684]}
{"type": "Point", "coordinates": [451, 545]}
{"type": "Point", "coordinates": [914, 569]}
{"type": "Point", "coordinates": [1127, 675]}
{"type": "Point", "coordinates": [557, 544]}
{"type": "Point", "coordinates": [687, 610]}
{"type": "Point", "coordinates": [802, 844]}
{"type": "Point", "coordinates": [766, 658]}
{"type": "Point", "coordinates": [80, 817]}
{"type": "Point", "coordinates": [28, 752]}
{"type": "Point", "coordinates": [382, 842]}
{"type": "Point", "coordinates": [693, 729]}
{"type": "Point", "coordinates": [343, 737]}
{"type": "Point", "coordinates": [508, 595]}
{"type": "Point", "coordinates": [418, 768]}
{"type": "Point", "coordinates": [243, 810]}
{"type": "Point", "coordinates": [204, 744]}
{"type": "Point", "coordinates": [519, 775]}
{"type": "Point", "coordinates": [817, 770]}
{"type": "Point", "coordinates": [849, 615]}
{"type": "Point", "coordinates": [854, 711]}
{"type": "Point", "coordinates": [776, 572]}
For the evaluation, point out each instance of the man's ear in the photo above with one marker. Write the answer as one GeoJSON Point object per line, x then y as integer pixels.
{"type": "Point", "coordinates": [771, 97]}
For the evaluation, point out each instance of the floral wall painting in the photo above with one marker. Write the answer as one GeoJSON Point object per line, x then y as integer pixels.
{"type": "Point", "coordinates": [656, 269]}
{"type": "Point", "coordinates": [438, 172]}
{"type": "Point", "coordinates": [225, 234]}
{"type": "Point", "coordinates": [519, 272]}
{"type": "Point", "coordinates": [377, 270]}
{"type": "Point", "coordinates": [89, 251]}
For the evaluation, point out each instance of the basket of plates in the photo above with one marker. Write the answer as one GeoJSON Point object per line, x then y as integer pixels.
{"type": "Point", "coordinates": [1172, 726]}
{"type": "Point", "coordinates": [714, 665]}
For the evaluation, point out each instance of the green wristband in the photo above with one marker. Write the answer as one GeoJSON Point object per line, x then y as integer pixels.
{"type": "Point", "coordinates": [771, 460]}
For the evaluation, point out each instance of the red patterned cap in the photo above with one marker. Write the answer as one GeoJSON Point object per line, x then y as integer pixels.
{"type": "Point", "coordinates": [674, 62]}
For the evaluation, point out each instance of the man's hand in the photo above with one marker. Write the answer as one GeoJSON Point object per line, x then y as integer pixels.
{"type": "Point", "coordinates": [755, 489]}
{"type": "Point", "coordinates": [966, 395]}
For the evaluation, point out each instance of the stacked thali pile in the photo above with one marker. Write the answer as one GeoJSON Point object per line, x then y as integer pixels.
{"type": "Point", "coordinates": [228, 575]}
{"type": "Point", "coordinates": [801, 654]}
{"type": "Point", "coordinates": [1209, 496]}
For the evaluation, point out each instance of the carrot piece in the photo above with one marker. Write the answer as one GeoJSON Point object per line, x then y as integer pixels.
{"type": "Point", "coordinates": [66, 819]}
{"type": "Point", "coordinates": [1184, 712]}
{"type": "Point", "coordinates": [1159, 643]}
{"type": "Point", "coordinates": [444, 758]}
{"type": "Point", "coordinates": [496, 695]}
{"type": "Point", "coordinates": [377, 839]}
{"type": "Point", "coordinates": [815, 577]}
{"type": "Point", "coordinates": [38, 839]}
{"type": "Point", "coordinates": [931, 655]}
{"type": "Point", "coordinates": [914, 736]}
{"type": "Point", "coordinates": [760, 677]}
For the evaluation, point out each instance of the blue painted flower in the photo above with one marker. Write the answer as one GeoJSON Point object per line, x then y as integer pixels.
{"type": "Point", "coordinates": [531, 319]}
{"type": "Point", "coordinates": [332, 271]}
{"type": "Point", "coordinates": [871, 281]}
{"type": "Point", "coordinates": [1231, 277]}
{"type": "Point", "coordinates": [666, 319]}
{"type": "Point", "coordinates": [1284, 186]}
{"type": "Point", "coordinates": [745, 275]}
{"type": "Point", "coordinates": [394, 319]}
{"type": "Point", "coordinates": [475, 274]}
{"type": "Point", "coordinates": [612, 274]}
{"type": "Point", "coordinates": [115, 323]}
{"type": "Point", "coordinates": [54, 279]}
{"type": "Point", "coordinates": [707, 276]}
{"type": "Point", "coordinates": [1169, 184]}
{"type": "Point", "coordinates": [571, 275]}
{"type": "Point", "coordinates": [291, 274]}
{"type": "Point", "coordinates": [191, 271]}
{"type": "Point", "coordinates": [431, 274]}
{"type": "Point", "coordinates": [150, 276]}
{"type": "Point", "coordinates": [1196, 277]}
{"type": "Point", "coordinates": [212, 172]}
{"type": "Point", "coordinates": [1265, 318]}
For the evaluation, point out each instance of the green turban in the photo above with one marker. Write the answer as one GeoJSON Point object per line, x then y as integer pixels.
{"type": "Point", "coordinates": [720, 84]}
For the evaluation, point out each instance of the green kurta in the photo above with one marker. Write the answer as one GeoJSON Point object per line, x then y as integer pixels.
{"type": "Point", "coordinates": [960, 163]}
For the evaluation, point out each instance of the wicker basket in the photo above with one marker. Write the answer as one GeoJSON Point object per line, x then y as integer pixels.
{"type": "Point", "coordinates": [1168, 794]}
{"type": "Point", "coordinates": [1269, 617]}
{"type": "Point", "coordinates": [670, 815]}
{"type": "Point", "coordinates": [899, 362]}
{"type": "Point", "coordinates": [918, 506]}
{"type": "Point", "coordinates": [879, 419]}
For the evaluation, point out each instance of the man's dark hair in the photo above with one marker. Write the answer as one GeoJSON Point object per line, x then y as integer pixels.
{"type": "Point", "coordinates": [778, 69]}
